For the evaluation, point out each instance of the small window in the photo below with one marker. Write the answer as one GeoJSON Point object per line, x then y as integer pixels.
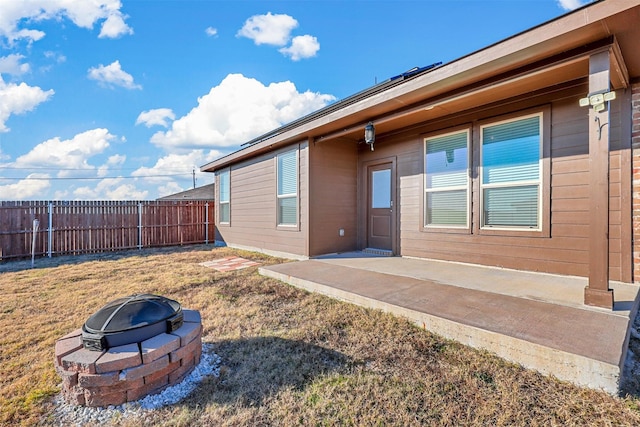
{"type": "Point", "coordinates": [446, 181]}
{"type": "Point", "coordinates": [511, 154]}
{"type": "Point", "coordinates": [224, 198]}
{"type": "Point", "coordinates": [288, 188]}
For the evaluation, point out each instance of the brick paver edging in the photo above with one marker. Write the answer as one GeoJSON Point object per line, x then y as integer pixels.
{"type": "Point", "coordinates": [129, 372]}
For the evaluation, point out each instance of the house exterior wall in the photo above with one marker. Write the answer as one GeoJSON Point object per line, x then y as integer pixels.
{"type": "Point", "coordinates": [333, 202]}
{"type": "Point", "coordinates": [331, 195]}
{"type": "Point", "coordinates": [206, 192]}
{"type": "Point", "coordinates": [253, 207]}
{"type": "Point", "coordinates": [635, 141]}
{"type": "Point", "coordinates": [565, 249]}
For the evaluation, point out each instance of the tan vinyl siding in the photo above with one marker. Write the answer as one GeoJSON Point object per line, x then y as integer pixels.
{"type": "Point", "coordinates": [566, 250]}
{"type": "Point", "coordinates": [253, 206]}
{"type": "Point", "coordinates": [333, 202]}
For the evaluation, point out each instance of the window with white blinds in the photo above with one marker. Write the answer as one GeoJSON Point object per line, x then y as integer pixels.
{"type": "Point", "coordinates": [511, 173]}
{"type": "Point", "coordinates": [224, 202]}
{"type": "Point", "coordinates": [446, 182]}
{"type": "Point", "coordinates": [287, 177]}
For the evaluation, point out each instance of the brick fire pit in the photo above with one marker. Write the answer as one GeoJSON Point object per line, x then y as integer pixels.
{"type": "Point", "coordinates": [129, 372]}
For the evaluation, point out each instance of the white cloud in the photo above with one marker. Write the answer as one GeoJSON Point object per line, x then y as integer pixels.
{"type": "Point", "coordinates": [35, 185]}
{"type": "Point", "coordinates": [60, 195]}
{"type": "Point", "coordinates": [18, 99]}
{"type": "Point", "coordinates": [181, 166]}
{"type": "Point", "coordinates": [169, 189]}
{"type": "Point", "coordinates": [11, 64]}
{"type": "Point", "coordinates": [67, 154]}
{"type": "Point", "coordinates": [211, 32]}
{"type": "Point", "coordinates": [276, 30]}
{"type": "Point", "coordinates": [114, 26]}
{"type": "Point", "coordinates": [112, 75]}
{"type": "Point", "coordinates": [572, 4]}
{"type": "Point", "coordinates": [115, 160]}
{"type": "Point", "coordinates": [178, 164]}
{"type": "Point", "coordinates": [268, 29]}
{"type": "Point", "coordinates": [15, 14]}
{"type": "Point", "coordinates": [57, 57]}
{"type": "Point", "coordinates": [157, 117]}
{"type": "Point", "coordinates": [30, 35]}
{"type": "Point", "coordinates": [111, 189]}
{"type": "Point", "coordinates": [237, 110]}
{"type": "Point", "coordinates": [301, 47]}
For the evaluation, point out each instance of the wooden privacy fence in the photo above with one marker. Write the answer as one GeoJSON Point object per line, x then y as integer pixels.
{"type": "Point", "coordinates": [99, 226]}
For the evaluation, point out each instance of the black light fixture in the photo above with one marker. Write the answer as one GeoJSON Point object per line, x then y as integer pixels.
{"type": "Point", "coordinates": [370, 134]}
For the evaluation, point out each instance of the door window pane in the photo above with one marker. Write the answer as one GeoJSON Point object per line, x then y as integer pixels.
{"type": "Point", "coordinates": [381, 189]}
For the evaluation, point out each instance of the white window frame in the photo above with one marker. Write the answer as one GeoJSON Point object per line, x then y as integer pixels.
{"type": "Point", "coordinates": [466, 187]}
{"type": "Point", "coordinates": [221, 202]}
{"type": "Point", "coordinates": [294, 196]}
{"type": "Point", "coordinates": [514, 184]}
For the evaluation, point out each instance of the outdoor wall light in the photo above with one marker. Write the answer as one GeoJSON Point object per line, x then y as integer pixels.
{"type": "Point", "coordinates": [597, 100]}
{"type": "Point", "coordinates": [370, 134]}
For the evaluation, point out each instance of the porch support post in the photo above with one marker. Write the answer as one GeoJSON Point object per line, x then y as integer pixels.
{"type": "Point", "coordinates": [597, 292]}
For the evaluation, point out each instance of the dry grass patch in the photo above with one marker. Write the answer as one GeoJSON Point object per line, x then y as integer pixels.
{"type": "Point", "coordinates": [288, 357]}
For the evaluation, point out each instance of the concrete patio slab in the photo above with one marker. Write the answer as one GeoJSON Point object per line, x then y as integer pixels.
{"type": "Point", "coordinates": [536, 320]}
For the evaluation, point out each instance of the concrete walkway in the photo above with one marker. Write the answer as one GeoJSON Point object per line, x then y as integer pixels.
{"type": "Point", "coordinates": [534, 319]}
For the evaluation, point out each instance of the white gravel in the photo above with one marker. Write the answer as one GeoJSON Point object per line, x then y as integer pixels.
{"type": "Point", "coordinates": [66, 414]}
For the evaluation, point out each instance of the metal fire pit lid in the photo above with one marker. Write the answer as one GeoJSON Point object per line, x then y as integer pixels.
{"type": "Point", "coordinates": [132, 312]}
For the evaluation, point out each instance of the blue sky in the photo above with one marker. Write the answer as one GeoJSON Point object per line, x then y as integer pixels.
{"type": "Point", "coordinates": [122, 100]}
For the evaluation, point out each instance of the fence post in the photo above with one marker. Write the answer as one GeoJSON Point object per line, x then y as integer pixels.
{"type": "Point", "coordinates": [50, 231]}
{"type": "Point", "coordinates": [36, 224]}
{"type": "Point", "coordinates": [206, 223]}
{"type": "Point", "coordinates": [139, 225]}
{"type": "Point", "coordinates": [180, 236]}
